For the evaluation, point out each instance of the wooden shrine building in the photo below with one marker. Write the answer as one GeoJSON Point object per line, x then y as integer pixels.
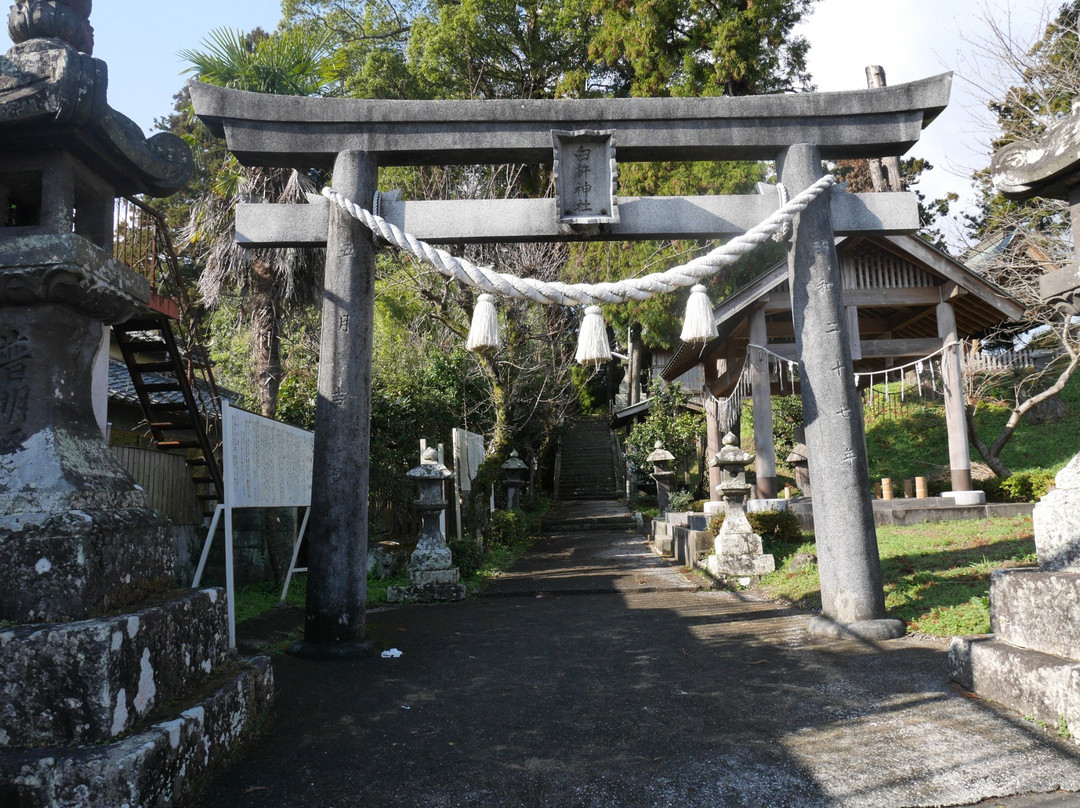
{"type": "Point", "coordinates": [903, 299]}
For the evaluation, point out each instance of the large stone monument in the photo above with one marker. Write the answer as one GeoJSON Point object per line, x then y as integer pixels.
{"type": "Point", "coordinates": [104, 666]}
{"type": "Point", "coordinates": [1031, 661]}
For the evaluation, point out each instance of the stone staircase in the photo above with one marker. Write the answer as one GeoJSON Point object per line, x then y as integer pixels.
{"type": "Point", "coordinates": [587, 467]}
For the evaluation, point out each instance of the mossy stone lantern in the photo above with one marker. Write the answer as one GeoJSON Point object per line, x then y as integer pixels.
{"type": "Point", "coordinates": [431, 570]}
{"type": "Point", "coordinates": [738, 549]}
{"type": "Point", "coordinates": [661, 459]}
{"type": "Point", "coordinates": [513, 479]}
{"type": "Point", "coordinates": [732, 462]}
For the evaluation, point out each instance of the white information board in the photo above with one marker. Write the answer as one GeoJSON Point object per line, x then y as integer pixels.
{"type": "Point", "coordinates": [266, 464]}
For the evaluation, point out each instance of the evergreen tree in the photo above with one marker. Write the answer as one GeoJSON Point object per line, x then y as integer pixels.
{"type": "Point", "coordinates": [268, 281]}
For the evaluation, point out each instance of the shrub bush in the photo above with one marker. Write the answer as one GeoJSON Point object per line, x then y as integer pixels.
{"type": "Point", "coordinates": [510, 528]}
{"type": "Point", "coordinates": [468, 554]}
{"type": "Point", "coordinates": [781, 527]}
{"type": "Point", "coordinates": [681, 500]}
{"type": "Point", "coordinates": [1024, 486]}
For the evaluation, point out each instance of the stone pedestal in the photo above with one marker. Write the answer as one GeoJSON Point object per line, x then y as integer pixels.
{"type": "Point", "coordinates": [76, 533]}
{"type": "Point", "coordinates": [1031, 662]}
{"type": "Point", "coordinates": [431, 570]}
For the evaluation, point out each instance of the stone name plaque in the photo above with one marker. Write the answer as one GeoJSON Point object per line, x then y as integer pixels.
{"type": "Point", "coordinates": [585, 177]}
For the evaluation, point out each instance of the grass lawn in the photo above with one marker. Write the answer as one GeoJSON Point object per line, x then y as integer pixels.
{"type": "Point", "coordinates": [937, 575]}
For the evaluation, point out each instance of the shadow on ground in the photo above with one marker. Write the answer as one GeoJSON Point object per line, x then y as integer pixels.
{"type": "Point", "coordinates": [602, 677]}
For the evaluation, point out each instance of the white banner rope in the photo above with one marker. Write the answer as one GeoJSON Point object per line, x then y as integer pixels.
{"type": "Point", "coordinates": [567, 294]}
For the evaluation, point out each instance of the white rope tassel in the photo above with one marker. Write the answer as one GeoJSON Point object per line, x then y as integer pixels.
{"type": "Point", "coordinates": [698, 325]}
{"type": "Point", "coordinates": [484, 332]}
{"type": "Point", "coordinates": [593, 345]}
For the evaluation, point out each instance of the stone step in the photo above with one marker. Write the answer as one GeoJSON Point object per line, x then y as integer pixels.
{"type": "Point", "coordinates": [1042, 686]}
{"type": "Point", "coordinates": [165, 764]}
{"type": "Point", "coordinates": [127, 666]}
{"type": "Point", "coordinates": [605, 522]}
{"type": "Point", "coordinates": [1036, 610]}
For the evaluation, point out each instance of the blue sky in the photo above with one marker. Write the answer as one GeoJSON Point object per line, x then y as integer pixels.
{"type": "Point", "coordinates": [139, 42]}
{"type": "Point", "coordinates": [912, 39]}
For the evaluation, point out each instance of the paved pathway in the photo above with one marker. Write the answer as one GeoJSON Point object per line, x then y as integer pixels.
{"type": "Point", "coordinates": [594, 676]}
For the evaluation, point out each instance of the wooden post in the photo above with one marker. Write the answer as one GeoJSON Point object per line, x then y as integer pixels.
{"type": "Point", "coordinates": [337, 556]}
{"type": "Point", "coordinates": [875, 77]}
{"type": "Point", "coordinates": [714, 439]}
{"type": "Point", "coordinates": [953, 386]}
{"type": "Point", "coordinates": [761, 392]}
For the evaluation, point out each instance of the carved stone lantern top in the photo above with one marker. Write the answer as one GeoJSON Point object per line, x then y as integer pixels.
{"type": "Point", "coordinates": [732, 454]}
{"type": "Point", "coordinates": [514, 463]}
{"type": "Point", "coordinates": [54, 98]}
{"type": "Point", "coordinates": [660, 454]}
{"type": "Point", "coordinates": [430, 468]}
{"type": "Point", "coordinates": [1048, 167]}
{"type": "Point", "coordinates": [66, 20]}
{"type": "Point", "coordinates": [732, 462]}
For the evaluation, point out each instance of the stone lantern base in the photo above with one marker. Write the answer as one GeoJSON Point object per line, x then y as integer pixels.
{"type": "Point", "coordinates": [739, 551]}
{"type": "Point", "coordinates": [428, 586]}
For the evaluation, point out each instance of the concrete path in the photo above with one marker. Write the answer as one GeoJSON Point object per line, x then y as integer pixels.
{"type": "Point", "coordinates": [593, 676]}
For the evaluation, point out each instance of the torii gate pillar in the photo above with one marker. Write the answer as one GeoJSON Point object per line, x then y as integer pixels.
{"type": "Point", "coordinates": [337, 560]}
{"type": "Point", "coordinates": [852, 597]}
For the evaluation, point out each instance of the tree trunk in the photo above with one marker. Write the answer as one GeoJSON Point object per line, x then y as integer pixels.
{"type": "Point", "coordinates": [992, 454]}
{"type": "Point", "coordinates": [634, 372]}
{"type": "Point", "coordinates": [498, 449]}
{"type": "Point", "coordinates": [265, 337]}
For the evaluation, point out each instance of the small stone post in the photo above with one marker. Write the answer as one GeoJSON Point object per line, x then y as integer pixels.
{"type": "Point", "coordinates": [432, 574]}
{"type": "Point", "coordinates": [661, 459]}
{"type": "Point", "coordinates": [514, 480]}
{"type": "Point", "coordinates": [739, 551]}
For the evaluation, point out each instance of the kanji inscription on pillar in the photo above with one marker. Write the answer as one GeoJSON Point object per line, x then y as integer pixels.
{"type": "Point", "coordinates": [14, 389]}
{"type": "Point", "coordinates": [585, 177]}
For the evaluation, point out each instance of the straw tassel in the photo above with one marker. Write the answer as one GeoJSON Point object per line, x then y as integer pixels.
{"type": "Point", "coordinates": [592, 341]}
{"type": "Point", "coordinates": [698, 325]}
{"type": "Point", "coordinates": [484, 332]}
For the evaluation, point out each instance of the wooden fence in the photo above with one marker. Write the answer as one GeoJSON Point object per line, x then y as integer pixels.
{"type": "Point", "coordinates": [167, 480]}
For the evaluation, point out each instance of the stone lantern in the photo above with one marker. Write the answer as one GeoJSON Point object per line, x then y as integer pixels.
{"type": "Point", "coordinates": [514, 479]}
{"type": "Point", "coordinates": [431, 570]}
{"type": "Point", "coordinates": [661, 459]}
{"type": "Point", "coordinates": [799, 460]}
{"type": "Point", "coordinates": [739, 552]}
{"type": "Point", "coordinates": [83, 555]}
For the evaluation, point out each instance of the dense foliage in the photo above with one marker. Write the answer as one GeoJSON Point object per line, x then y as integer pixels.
{"type": "Point", "coordinates": [424, 383]}
{"type": "Point", "coordinates": [669, 422]}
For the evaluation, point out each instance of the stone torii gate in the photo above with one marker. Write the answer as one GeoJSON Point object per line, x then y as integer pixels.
{"type": "Point", "coordinates": [355, 137]}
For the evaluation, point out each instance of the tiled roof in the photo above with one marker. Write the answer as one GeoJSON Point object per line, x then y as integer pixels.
{"type": "Point", "coordinates": [121, 388]}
